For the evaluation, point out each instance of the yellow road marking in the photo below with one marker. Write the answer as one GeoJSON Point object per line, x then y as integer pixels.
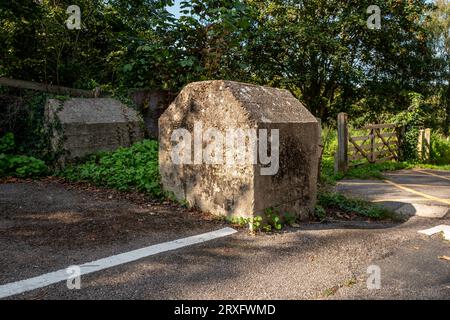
{"type": "Point", "coordinates": [349, 183]}
{"type": "Point", "coordinates": [407, 174]}
{"type": "Point", "coordinates": [399, 186]}
{"type": "Point", "coordinates": [432, 174]}
{"type": "Point", "coordinates": [381, 184]}
{"type": "Point", "coordinates": [425, 185]}
{"type": "Point", "coordinates": [399, 199]}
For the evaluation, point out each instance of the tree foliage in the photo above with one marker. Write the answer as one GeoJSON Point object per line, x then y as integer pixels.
{"type": "Point", "coordinates": [321, 50]}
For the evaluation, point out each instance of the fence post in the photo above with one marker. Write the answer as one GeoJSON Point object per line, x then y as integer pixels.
{"type": "Point", "coordinates": [426, 144]}
{"type": "Point", "coordinates": [400, 131]}
{"type": "Point", "coordinates": [420, 144]}
{"type": "Point", "coordinates": [319, 167]}
{"type": "Point", "coordinates": [341, 160]}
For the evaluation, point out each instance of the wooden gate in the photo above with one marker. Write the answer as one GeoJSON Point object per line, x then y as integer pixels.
{"type": "Point", "coordinates": [370, 144]}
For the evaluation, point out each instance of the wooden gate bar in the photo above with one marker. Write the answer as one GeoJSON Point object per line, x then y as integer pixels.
{"type": "Point", "coordinates": [386, 144]}
{"type": "Point", "coordinates": [377, 146]}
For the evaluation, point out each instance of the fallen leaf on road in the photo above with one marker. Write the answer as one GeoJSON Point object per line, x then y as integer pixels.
{"type": "Point", "coordinates": [444, 258]}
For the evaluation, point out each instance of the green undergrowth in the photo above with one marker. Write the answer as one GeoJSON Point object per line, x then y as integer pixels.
{"type": "Point", "coordinates": [126, 169]}
{"type": "Point", "coordinates": [364, 171]}
{"type": "Point", "coordinates": [444, 167]}
{"type": "Point", "coordinates": [14, 165]}
{"type": "Point", "coordinates": [371, 171]}
{"type": "Point", "coordinates": [333, 201]}
{"type": "Point", "coordinates": [271, 221]}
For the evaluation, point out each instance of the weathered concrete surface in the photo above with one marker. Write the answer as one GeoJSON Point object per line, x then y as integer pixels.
{"type": "Point", "coordinates": [152, 104]}
{"type": "Point", "coordinates": [424, 193]}
{"type": "Point", "coordinates": [241, 189]}
{"type": "Point", "coordinates": [91, 125]}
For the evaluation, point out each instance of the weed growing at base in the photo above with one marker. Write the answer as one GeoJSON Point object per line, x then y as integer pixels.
{"type": "Point", "coordinates": [360, 207]}
{"type": "Point", "coordinates": [273, 220]}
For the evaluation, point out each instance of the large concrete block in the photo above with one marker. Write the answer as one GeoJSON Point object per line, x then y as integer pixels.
{"type": "Point", "coordinates": [202, 163]}
{"type": "Point", "coordinates": [85, 126]}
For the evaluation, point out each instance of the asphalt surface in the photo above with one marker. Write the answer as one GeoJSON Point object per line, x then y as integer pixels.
{"type": "Point", "coordinates": [410, 192]}
{"type": "Point", "coordinates": [314, 261]}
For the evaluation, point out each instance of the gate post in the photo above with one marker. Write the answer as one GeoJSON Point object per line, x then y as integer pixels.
{"type": "Point", "coordinates": [341, 159]}
{"type": "Point", "coordinates": [320, 155]}
{"type": "Point", "coordinates": [427, 142]}
{"type": "Point", "coordinates": [372, 145]}
{"type": "Point", "coordinates": [420, 145]}
{"type": "Point", "coordinates": [424, 144]}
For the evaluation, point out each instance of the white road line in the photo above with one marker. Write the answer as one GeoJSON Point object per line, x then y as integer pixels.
{"type": "Point", "coordinates": [47, 279]}
{"type": "Point", "coordinates": [441, 228]}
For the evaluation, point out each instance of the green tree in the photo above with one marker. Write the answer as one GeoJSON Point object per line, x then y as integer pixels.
{"type": "Point", "coordinates": [439, 26]}
{"type": "Point", "coordinates": [39, 46]}
{"type": "Point", "coordinates": [212, 34]}
{"type": "Point", "coordinates": [321, 50]}
{"type": "Point", "coordinates": [324, 52]}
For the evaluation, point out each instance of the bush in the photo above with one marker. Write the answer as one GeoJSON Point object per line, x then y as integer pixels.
{"type": "Point", "coordinates": [21, 166]}
{"type": "Point", "coordinates": [7, 143]}
{"type": "Point", "coordinates": [440, 149]}
{"type": "Point", "coordinates": [18, 166]}
{"type": "Point", "coordinates": [22, 114]}
{"type": "Point", "coordinates": [417, 116]}
{"type": "Point", "coordinates": [408, 145]}
{"type": "Point", "coordinates": [329, 141]}
{"type": "Point", "coordinates": [124, 169]}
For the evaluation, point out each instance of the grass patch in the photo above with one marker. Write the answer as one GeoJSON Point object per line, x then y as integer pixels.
{"type": "Point", "coordinates": [443, 167]}
{"type": "Point", "coordinates": [375, 170]}
{"type": "Point", "coordinates": [371, 170]}
{"type": "Point", "coordinates": [364, 171]}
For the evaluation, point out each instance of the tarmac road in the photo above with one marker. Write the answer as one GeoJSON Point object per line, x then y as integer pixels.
{"type": "Point", "coordinates": [410, 192]}
{"type": "Point", "coordinates": [48, 226]}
